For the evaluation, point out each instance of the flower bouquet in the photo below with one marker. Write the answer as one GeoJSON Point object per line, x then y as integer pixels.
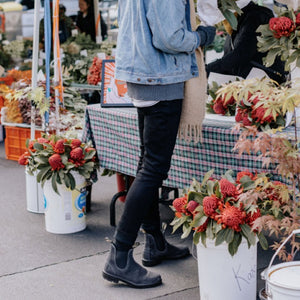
{"type": "Point", "coordinates": [215, 210]}
{"type": "Point", "coordinates": [280, 38]}
{"type": "Point", "coordinates": [259, 102]}
{"type": "Point", "coordinates": [56, 158]}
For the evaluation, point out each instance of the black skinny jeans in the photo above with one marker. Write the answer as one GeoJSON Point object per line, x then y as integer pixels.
{"type": "Point", "coordinates": [158, 126]}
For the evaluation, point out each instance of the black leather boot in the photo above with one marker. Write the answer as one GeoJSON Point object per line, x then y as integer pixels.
{"type": "Point", "coordinates": [132, 274]}
{"type": "Point", "coordinates": [152, 256]}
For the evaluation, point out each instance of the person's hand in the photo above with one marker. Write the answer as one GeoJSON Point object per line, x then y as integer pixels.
{"type": "Point", "coordinates": [207, 34]}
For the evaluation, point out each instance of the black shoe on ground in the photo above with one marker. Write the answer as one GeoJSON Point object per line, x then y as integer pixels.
{"type": "Point", "coordinates": [132, 274]}
{"type": "Point", "coordinates": [153, 256]}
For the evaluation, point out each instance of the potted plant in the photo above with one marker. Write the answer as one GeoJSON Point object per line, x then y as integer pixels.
{"type": "Point", "coordinates": [63, 167]}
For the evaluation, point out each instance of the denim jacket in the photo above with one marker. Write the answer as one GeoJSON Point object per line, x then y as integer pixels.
{"type": "Point", "coordinates": [155, 42]}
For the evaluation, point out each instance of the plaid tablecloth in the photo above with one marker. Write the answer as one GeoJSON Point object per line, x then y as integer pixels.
{"type": "Point", "coordinates": [114, 132]}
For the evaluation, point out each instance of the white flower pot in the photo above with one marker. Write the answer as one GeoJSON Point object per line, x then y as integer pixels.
{"type": "Point", "coordinates": [34, 194]}
{"type": "Point", "coordinates": [226, 277]}
{"type": "Point", "coordinates": [65, 213]}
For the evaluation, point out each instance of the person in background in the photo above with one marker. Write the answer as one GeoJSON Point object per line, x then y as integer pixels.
{"type": "Point", "coordinates": [66, 25]}
{"type": "Point", "coordinates": [155, 56]}
{"type": "Point", "coordinates": [86, 20]}
{"type": "Point", "coordinates": [240, 49]}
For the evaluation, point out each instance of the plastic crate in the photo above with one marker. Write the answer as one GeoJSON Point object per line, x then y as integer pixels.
{"type": "Point", "coordinates": [15, 141]}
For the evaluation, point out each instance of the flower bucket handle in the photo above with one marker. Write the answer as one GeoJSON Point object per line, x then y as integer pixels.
{"type": "Point", "coordinates": [266, 271]}
{"type": "Point", "coordinates": [296, 231]}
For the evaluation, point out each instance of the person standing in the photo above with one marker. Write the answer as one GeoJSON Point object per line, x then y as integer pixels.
{"type": "Point", "coordinates": [86, 20]}
{"type": "Point", "coordinates": [155, 57]}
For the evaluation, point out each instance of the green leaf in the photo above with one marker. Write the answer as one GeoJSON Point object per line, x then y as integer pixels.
{"type": "Point", "coordinates": [234, 245]}
{"type": "Point", "coordinates": [229, 235]}
{"type": "Point", "coordinates": [220, 237]}
{"type": "Point", "coordinates": [209, 230]}
{"type": "Point", "coordinates": [42, 173]}
{"type": "Point", "coordinates": [186, 231]}
{"type": "Point", "coordinates": [196, 237]}
{"type": "Point", "coordinates": [263, 241]}
{"type": "Point", "coordinates": [196, 196]}
{"type": "Point", "coordinates": [248, 234]}
{"type": "Point", "coordinates": [38, 146]}
{"type": "Point", "coordinates": [176, 223]}
{"type": "Point", "coordinates": [72, 181]}
{"type": "Point", "coordinates": [53, 181]}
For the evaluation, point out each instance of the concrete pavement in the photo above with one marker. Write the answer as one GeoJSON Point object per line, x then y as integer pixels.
{"type": "Point", "coordinates": [37, 265]}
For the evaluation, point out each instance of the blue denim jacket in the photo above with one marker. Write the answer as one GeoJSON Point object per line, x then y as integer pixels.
{"type": "Point", "coordinates": [155, 42]}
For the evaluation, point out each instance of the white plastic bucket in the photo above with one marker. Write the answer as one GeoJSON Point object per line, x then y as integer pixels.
{"type": "Point", "coordinates": [34, 194]}
{"type": "Point", "coordinates": [65, 213]}
{"type": "Point", "coordinates": [283, 280]}
{"type": "Point", "coordinates": [226, 277]}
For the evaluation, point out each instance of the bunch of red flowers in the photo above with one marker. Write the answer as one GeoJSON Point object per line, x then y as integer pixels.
{"type": "Point", "coordinates": [215, 210]}
{"type": "Point", "coordinates": [95, 71]}
{"type": "Point", "coordinates": [54, 157]}
{"type": "Point", "coordinates": [253, 112]}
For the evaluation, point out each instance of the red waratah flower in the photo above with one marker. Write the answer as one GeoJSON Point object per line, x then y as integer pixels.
{"type": "Point", "coordinates": [240, 175]}
{"type": "Point", "coordinates": [231, 217]}
{"type": "Point", "coordinates": [180, 204]}
{"type": "Point", "coordinates": [219, 108]}
{"type": "Point", "coordinates": [89, 149]}
{"type": "Point", "coordinates": [246, 121]}
{"type": "Point", "coordinates": [59, 146]}
{"type": "Point", "coordinates": [281, 26]}
{"type": "Point", "coordinates": [23, 159]}
{"type": "Point", "coordinates": [76, 154]}
{"type": "Point", "coordinates": [298, 19]}
{"type": "Point", "coordinates": [239, 116]}
{"type": "Point", "coordinates": [228, 189]}
{"type": "Point", "coordinates": [30, 146]}
{"type": "Point", "coordinates": [251, 217]}
{"type": "Point", "coordinates": [210, 204]}
{"type": "Point", "coordinates": [229, 101]}
{"type": "Point", "coordinates": [75, 143]}
{"type": "Point", "coordinates": [258, 114]}
{"type": "Point", "coordinates": [191, 206]}
{"type": "Point", "coordinates": [56, 162]}
{"type": "Point", "coordinates": [42, 141]}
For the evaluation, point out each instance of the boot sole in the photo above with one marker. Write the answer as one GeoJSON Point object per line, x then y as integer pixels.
{"type": "Point", "coordinates": [115, 279]}
{"type": "Point", "coordinates": [155, 262]}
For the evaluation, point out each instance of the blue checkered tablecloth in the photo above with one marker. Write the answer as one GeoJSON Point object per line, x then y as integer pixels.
{"type": "Point", "coordinates": [114, 132]}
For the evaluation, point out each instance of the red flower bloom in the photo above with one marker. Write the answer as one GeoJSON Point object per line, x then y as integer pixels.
{"type": "Point", "coordinates": [282, 26]}
{"type": "Point", "coordinates": [246, 121]}
{"type": "Point", "coordinates": [30, 146]}
{"type": "Point", "coordinates": [228, 189]}
{"type": "Point", "coordinates": [59, 146]}
{"type": "Point", "coordinates": [90, 149]}
{"type": "Point", "coordinates": [191, 206]}
{"type": "Point", "coordinates": [75, 143]}
{"type": "Point", "coordinates": [298, 19]}
{"type": "Point", "coordinates": [180, 204]}
{"type": "Point", "coordinates": [43, 141]}
{"type": "Point", "coordinates": [258, 114]}
{"type": "Point", "coordinates": [76, 154]}
{"type": "Point", "coordinates": [210, 204]}
{"type": "Point", "coordinates": [219, 108]}
{"type": "Point", "coordinates": [240, 175]}
{"type": "Point", "coordinates": [56, 162]}
{"type": "Point", "coordinates": [23, 159]}
{"type": "Point", "coordinates": [239, 115]}
{"type": "Point", "coordinates": [231, 217]}
{"type": "Point", "coordinates": [251, 217]}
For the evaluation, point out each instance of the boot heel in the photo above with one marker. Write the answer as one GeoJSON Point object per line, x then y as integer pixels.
{"type": "Point", "coordinates": [151, 263]}
{"type": "Point", "coordinates": [110, 278]}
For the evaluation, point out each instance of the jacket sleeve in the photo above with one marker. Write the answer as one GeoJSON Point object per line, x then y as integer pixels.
{"type": "Point", "coordinates": [166, 19]}
{"type": "Point", "coordinates": [245, 48]}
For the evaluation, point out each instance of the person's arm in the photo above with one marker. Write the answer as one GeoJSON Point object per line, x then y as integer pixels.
{"type": "Point", "coordinates": [245, 47]}
{"type": "Point", "coordinates": [166, 19]}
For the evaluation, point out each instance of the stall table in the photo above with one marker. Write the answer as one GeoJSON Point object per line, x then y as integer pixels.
{"type": "Point", "coordinates": [114, 132]}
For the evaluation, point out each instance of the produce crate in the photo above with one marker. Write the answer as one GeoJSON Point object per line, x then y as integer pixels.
{"type": "Point", "coordinates": [15, 141]}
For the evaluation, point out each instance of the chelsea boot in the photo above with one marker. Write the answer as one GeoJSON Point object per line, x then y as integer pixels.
{"type": "Point", "coordinates": [152, 256]}
{"type": "Point", "coordinates": [132, 274]}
